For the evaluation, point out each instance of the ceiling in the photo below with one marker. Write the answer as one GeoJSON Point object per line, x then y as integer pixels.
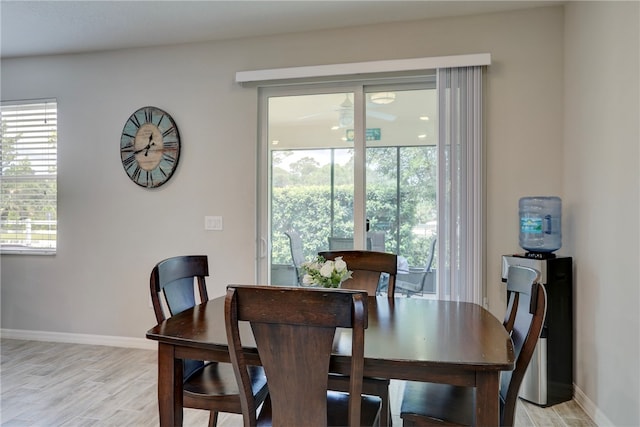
{"type": "Point", "coordinates": [29, 28]}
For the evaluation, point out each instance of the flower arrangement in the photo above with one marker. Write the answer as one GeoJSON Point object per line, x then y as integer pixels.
{"type": "Point", "coordinates": [328, 274]}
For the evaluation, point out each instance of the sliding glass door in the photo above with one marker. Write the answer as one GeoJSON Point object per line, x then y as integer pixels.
{"type": "Point", "coordinates": [348, 167]}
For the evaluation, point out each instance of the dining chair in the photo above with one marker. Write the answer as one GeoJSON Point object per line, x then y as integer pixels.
{"type": "Point", "coordinates": [294, 331]}
{"type": "Point", "coordinates": [297, 253]}
{"type": "Point", "coordinates": [377, 239]}
{"type": "Point", "coordinates": [426, 282]}
{"type": "Point", "coordinates": [206, 385]}
{"type": "Point", "coordinates": [346, 243]}
{"type": "Point", "coordinates": [429, 404]}
{"type": "Point", "coordinates": [367, 267]}
{"type": "Point", "coordinates": [517, 277]}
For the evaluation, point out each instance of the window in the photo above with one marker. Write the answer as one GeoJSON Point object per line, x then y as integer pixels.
{"type": "Point", "coordinates": [28, 186]}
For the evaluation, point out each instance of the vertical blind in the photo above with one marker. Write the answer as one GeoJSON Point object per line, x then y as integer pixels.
{"type": "Point", "coordinates": [460, 177]}
{"type": "Point", "coordinates": [28, 175]}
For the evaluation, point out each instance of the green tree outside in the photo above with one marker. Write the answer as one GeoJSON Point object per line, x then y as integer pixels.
{"type": "Point", "coordinates": [27, 195]}
{"type": "Point", "coordinates": [401, 194]}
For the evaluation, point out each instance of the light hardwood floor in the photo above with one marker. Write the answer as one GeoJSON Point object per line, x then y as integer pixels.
{"type": "Point", "coordinates": [55, 384]}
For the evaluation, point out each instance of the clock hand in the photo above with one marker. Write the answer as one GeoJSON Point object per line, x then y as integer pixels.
{"type": "Point", "coordinates": [146, 153]}
{"type": "Point", "coordinates": [146, 148]}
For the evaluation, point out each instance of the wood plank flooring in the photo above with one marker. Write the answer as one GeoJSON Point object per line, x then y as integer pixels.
{"type": "Point", "coordinates": [72, 385]}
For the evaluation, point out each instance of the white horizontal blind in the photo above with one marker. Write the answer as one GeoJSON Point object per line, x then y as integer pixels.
{"type": "Point", "coordinates": [28, 176]}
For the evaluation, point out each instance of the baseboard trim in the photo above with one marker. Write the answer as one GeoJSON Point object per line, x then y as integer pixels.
{"type": "Point", "coordinates": [590, 408]}
{"type": "Point", "coordinates": [106, 340]}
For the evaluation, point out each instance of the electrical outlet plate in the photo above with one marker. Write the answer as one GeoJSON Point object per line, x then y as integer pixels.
{"type": "Point", "coordinates": [213, 223]}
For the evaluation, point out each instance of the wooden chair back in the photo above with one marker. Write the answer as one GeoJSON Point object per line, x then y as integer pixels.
{"type": "Point", "coordinates": [527, 326]}
{"type": "Point", "coordinates": [519, 278]}
{"type": "Point", "coordinates": [174, 278]}
{"type": "Point", "coordinates": [294, 332]}
{"type": "Point", "coordinates": [206, 385]}
{"type": "Point", "coordinates": [172, 282]}
{"type": "Point", "coordinates": [367, 267]}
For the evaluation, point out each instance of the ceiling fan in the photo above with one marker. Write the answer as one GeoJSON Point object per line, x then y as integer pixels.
{"type": "Point", "coordinates": [345, 113]}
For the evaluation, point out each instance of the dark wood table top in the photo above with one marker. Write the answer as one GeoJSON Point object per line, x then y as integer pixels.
{"type": "Point", "coordinates": [407, 338]}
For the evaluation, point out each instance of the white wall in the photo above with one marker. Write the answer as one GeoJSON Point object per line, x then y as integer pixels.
{"type": "Point", "coordinates": [112, 232]}
{"type": "Point", "coordinates": [601, 163]}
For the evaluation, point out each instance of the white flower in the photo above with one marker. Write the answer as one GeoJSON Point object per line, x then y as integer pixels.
{"type": "Point", "coordinates": [327, 269]}
{"type": "Point", "coordinates": [340, 264]}
{"type": "Point", "coordinates": [320, 272]}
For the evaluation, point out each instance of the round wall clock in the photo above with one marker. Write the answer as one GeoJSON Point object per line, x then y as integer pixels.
{"type": "Point", "coordinates": [150, 147]}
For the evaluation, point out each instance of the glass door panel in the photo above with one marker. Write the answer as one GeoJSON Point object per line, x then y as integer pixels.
{"type": "Point", "coordinates": [311, 192]}
{"type": "Point", "coordinates": [401, 181]}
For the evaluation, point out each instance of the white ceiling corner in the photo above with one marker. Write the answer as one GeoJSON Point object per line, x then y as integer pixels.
{"type": "Point", "coordinates": [34, 27]}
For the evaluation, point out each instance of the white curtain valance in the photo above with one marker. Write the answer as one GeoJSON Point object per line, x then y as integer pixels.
{"type": "Point", "coordinates": [361, 69]}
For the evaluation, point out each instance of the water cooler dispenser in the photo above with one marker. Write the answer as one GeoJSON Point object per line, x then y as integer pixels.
{"type": "Point", "coordinates": [549, 378]}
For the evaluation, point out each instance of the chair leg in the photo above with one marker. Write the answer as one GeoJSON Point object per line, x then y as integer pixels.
{"type": "Point", "coordinates": [213, 418]}
{"type": "Point", "coordinates": [385, 413]}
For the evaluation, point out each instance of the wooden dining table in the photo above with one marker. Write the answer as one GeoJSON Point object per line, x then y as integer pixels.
{"type": "Point", "coordinates": [406, 339]}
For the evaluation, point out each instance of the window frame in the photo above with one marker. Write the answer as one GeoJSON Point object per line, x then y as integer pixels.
{"type": "Point", "coordinates": [34, 141]}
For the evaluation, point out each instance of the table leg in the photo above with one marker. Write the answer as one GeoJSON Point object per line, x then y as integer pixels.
{"type": "Point", "coordinates": [169, 386]}
{"type": "Point", "coordinates": [487, 398]}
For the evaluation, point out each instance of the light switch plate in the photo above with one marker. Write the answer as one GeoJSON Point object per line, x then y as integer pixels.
{"type": "Point", "coordinates": [213, 223]}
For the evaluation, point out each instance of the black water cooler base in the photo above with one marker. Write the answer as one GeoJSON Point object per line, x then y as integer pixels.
{"type": "Point", "coordinates": [549, 378]}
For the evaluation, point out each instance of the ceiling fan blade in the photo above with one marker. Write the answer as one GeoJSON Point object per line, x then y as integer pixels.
{"type": "Point", "coordinates": [380, 115]}
{"type": "Point", "coordinates": [309, 116]}
{"type": "Point", "coordinates": [347, 106]}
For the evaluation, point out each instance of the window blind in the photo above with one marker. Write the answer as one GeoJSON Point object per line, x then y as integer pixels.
{"type": "Point", "coordinates": [28, 176]}
{"type": "Point", "coordinates": [460, 190]}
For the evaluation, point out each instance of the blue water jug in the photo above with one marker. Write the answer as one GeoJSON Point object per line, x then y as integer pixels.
{"type": "Point", "coordinates": [540, 225]}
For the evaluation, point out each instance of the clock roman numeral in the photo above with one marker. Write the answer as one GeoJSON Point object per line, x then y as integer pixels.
{"type": "Point", "coordinates": [136, 174]}
{"type": "Point", "coordinates": [149, 179]}
{"type": "Point", "coordinates": [133, 119]}
{"type": "Point", "coordinates": [170, 145]}
{"type": "Point", "coordinates": [148, 115]}
{"type": "Point", "coordinates": [127, 147]}
{"type": "Point", "coordinates": [129, 161]}
{"type": "Point", "coordinates": [168, 132]}
{"type": "Point", "coordinates": [168, 158]}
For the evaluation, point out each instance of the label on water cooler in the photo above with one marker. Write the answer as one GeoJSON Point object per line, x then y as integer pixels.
{"type": "Point", "coordinates": [531, 225]}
